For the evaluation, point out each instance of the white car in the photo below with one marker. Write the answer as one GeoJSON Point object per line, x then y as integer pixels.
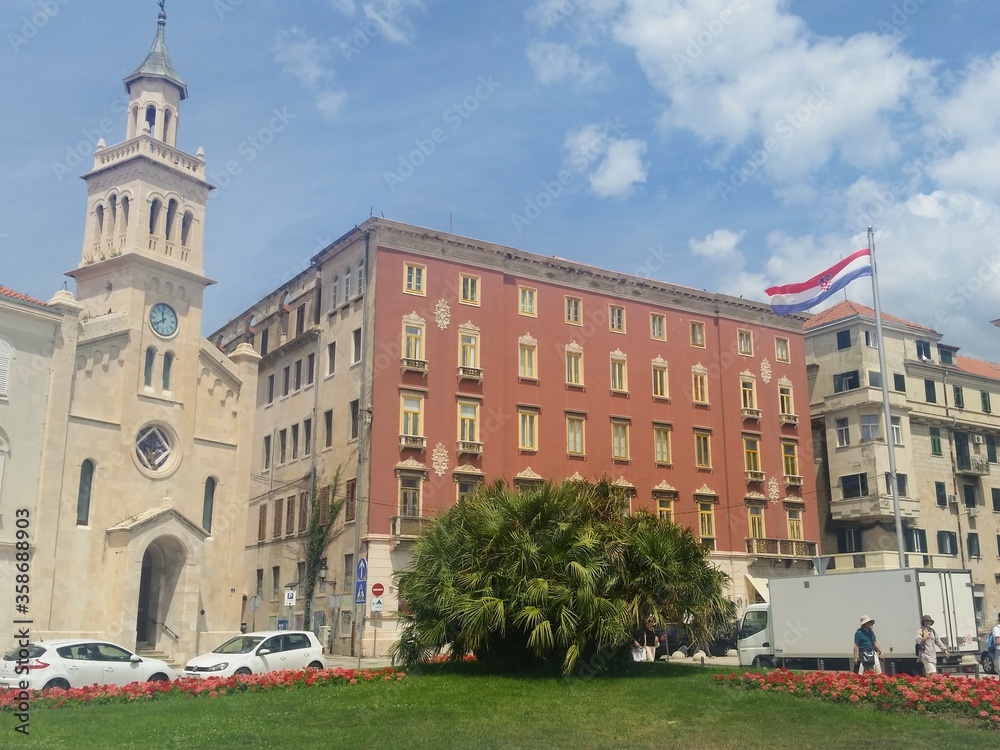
{"type": "Point", "coordinates": [257, 653]}
{"type": "Point", "coordinates": [75, 663]}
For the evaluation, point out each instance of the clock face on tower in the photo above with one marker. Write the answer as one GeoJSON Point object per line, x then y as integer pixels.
{"type": "Point", "coordinates": [163, 319]}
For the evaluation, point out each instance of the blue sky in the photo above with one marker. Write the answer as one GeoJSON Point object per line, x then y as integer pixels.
{"type": "Point", "coordinates": [722, 144]}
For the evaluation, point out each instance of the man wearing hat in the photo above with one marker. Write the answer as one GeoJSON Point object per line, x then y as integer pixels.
{"type": "Point", "coordinates": [866, 643]}
{"type": "Point", "coordinates": [928, 637]}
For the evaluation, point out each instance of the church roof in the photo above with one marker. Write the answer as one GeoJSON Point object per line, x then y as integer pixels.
{"type": "Point", "coordinates": [157, 63]}
{"type": "Point", "coordinates": [20, 297]}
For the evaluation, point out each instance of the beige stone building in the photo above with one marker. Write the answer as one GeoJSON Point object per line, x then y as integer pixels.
{"type": "Point", "coordinates": [945, 428]}
{"type": "Point", "coordinates": [140, 513]}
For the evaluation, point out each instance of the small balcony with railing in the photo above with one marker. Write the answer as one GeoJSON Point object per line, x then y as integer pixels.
{"type": "Point", "coordinates": [754, 477]}
{"type": "Point", "coordinates": [876, 506]}
{"type": "Point", "coordinates": [407, 528]}
{"type": "Point", "coordinates": [474, 374]}
{"type": "Point", "coordinates": [788, 419]}
{"type": "Point", "coordinates": [781, 549]}
{"type": "Point", "coordinates": [409, 364]}
{"type": "Point", "coordinates": [413, 442]}
{"type": "Point", "coordinates": [469, 448]}
{"type": "Point", "coordinates": [750, 414]}
{"type": "Point", "coordinates": [883, 560]}
{"type": "Point", "coordinates": [978, 466]}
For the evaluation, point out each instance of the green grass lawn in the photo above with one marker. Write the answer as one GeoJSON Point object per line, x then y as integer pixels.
{"type": "Point", "coordinates": [664, 707]}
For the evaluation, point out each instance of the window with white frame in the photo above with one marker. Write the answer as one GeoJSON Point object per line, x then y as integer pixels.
{"type": "Point", "coordinates": [526, 301]}
{"type": "Point", "coordinates": [661, 444]}
{"type": "Point", "coordinates": [575, 426]}
{"type": "Point", "coordinates": [619, 439]}
{"type": "Point", "coordinates": [413, 279]}
{"type": "Point", "coordinates": [744, 340]}
{"type": "Point", "coordinates": [527, 358]}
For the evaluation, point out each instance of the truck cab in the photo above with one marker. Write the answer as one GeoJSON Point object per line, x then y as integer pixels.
{"type": "Point", "coordinates": [755, 640]}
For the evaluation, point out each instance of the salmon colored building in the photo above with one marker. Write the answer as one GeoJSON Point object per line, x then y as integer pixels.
{"type": "Point", "coordinates": [468, 361]}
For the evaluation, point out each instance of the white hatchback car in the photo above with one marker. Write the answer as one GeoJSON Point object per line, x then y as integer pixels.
{"type": "Point", "coordinates": [257, 653]}
{"type": "Point", "coordinates": [74, 663]}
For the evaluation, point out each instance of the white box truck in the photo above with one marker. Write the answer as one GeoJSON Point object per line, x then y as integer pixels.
{"type": "Point", "coordinates": [810, 621]}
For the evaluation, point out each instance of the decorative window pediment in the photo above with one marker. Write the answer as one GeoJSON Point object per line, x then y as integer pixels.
{"type": "Point", "coordinates": [410, 464]}
{"type": "Point", "coordinates": [468, 327]}
{"type": "Point", "coordinates": [414, 319]}
{"type": "Point", "coordinates": [529, 476]}
{"type": "Point", "coordinates": [747, 375]}
{"type": "Point", "coordinates": [659, 361]}
{"type": "Point", "coordinates": [785, 381]}
{"type": "Point", "coordinates": [467, 469]}
{"type": "Point", "coordinates": [618, 355]}
{"type": "Point", "coordinates": [699, 369]}
{"type": "Point", "coordinates": [528, 340]}
{"type": "Point", "coordinates": [574, 348]}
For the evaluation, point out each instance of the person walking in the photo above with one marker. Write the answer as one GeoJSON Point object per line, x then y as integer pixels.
{"type": "Point", "coordinates": [995, 643]}
{"type": "Point", "coordinates": [929, 643]}
{"type": "Point", "coordinates": [867, 653]}
{"type": "Point", "coordinates": [646, 639]}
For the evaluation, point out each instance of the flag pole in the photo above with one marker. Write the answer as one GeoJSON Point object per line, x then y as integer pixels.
{"type": "Point", "coordinates": [886, 418]}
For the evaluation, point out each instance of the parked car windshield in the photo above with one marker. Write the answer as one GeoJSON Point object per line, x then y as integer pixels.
{"type": "Point", "coordinates": [241, 644]}
{"type": "Point", "coordinates": [33, 652]}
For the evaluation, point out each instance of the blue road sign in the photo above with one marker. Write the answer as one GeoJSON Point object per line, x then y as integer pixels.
{"type": "Point", "coordinates": [363, 569]}
{"type": "Point", "coordinates": [360, 591]}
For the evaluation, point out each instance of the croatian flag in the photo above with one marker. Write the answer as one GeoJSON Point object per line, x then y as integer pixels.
{"type": "Point", "coordinates": [793, 298]}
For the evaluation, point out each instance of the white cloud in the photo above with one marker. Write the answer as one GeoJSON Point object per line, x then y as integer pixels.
{"type": "Point", "coordinates": [621, 169]}
{"type": "Point", "coordinates": [619, 164]}
{"type": "Point", "coordinates": [305, 58]}
{"type": "Point", "coordinates": [722, 244]}
{"type": "Point", "coordinates": [938, 257]}
{"type": "Point", "coordinates": [302, 56]}
{"type": "Point", "coordinates": [390, 17]}
{"type": "Point", "coordinates": [554, 62]}
{"type": "Point", "coordinates": [739, 74]}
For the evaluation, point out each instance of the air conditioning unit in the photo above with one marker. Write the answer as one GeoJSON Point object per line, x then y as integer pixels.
{"type": "Point", "coordinates": [953, 499]}
{"type": "Point", "coordinates": [978, 439]}
{"type": "Point", "coordinates": [973, 511]}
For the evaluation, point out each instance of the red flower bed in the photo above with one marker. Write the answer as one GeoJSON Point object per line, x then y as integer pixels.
{"type": "Point", "coordinates": [211, 687]}
{"type": "Point", "coordinates": [978, 699]}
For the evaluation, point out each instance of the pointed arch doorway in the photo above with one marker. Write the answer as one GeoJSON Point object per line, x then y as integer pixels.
{"type": "Point", "coordinates": [158, 607]}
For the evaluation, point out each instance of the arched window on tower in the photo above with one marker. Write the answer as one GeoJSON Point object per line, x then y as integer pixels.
{"type": "Point", "coordinates": [347, 284]}
{"type": "Point", "coordinates": [151, 120]}
{"type": "Point", "coordinates": [171, 215]}
{"type": "Point", "coordinates": [99, 224]}
{"type": "Point", "coordinates": [154, 215]}
{"type": "Point", "coordinates": [186, 228]}
{"type": "Point", "coordinates": [113, 211]}
{"type": "Point", "coordinates": [168, 361]}
{"type": "Point", "coordinates": [6, 359]}
{"type": "Point", "coordinates": [208, 507]}
{"type": "Point", "coordinates": [148, 371]}
{"type": "Point", "coordinates": [166, 126]}
{"type": "Point", "coordinates": [125, 206]}
{"type": "Point", "coordinates": [84, 492]}
{"type": "Point", "coordinates": [361, 278]}
{"type": "Point", "coordinates": [334, 291]}
{"type": "Point", "coordinates": [134, 125]}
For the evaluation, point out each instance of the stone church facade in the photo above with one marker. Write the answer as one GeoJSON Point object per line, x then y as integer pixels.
{"type": "Point", "coordinates": [140, 515]}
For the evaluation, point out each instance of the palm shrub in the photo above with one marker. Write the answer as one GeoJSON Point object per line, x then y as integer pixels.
{"type": "Point", "coordinates": [551, 576]}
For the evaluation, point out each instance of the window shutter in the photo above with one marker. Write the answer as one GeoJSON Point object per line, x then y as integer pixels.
{"type": "Point", "coordinates": [6, 357]}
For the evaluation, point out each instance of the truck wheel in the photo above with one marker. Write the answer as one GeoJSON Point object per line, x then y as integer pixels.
{"type": "Point", "coordinates": [762, 662]}
{"type": "Point", "coordinates": [989, 666]}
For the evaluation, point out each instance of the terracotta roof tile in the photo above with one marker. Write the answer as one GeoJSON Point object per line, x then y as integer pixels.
{"type": "Point", "coordinates": [848, 309]}
{"type": "Point", "coordinates": [978, 367]}
{"type": "Point", "coordinates": [8, 292]}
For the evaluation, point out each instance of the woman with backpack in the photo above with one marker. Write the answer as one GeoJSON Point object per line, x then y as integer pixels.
{"type": "Point", "coordinates": [867, 652]}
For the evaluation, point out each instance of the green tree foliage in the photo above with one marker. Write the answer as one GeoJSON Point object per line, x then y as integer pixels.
{"type": "Point", "coordinates": [551, 576]}
{"type": "Point", "coordinates": [320, 532]}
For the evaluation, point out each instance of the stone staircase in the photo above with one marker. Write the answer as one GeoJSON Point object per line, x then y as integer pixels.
{"type": "Point", "coordinates": [154, 653]}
